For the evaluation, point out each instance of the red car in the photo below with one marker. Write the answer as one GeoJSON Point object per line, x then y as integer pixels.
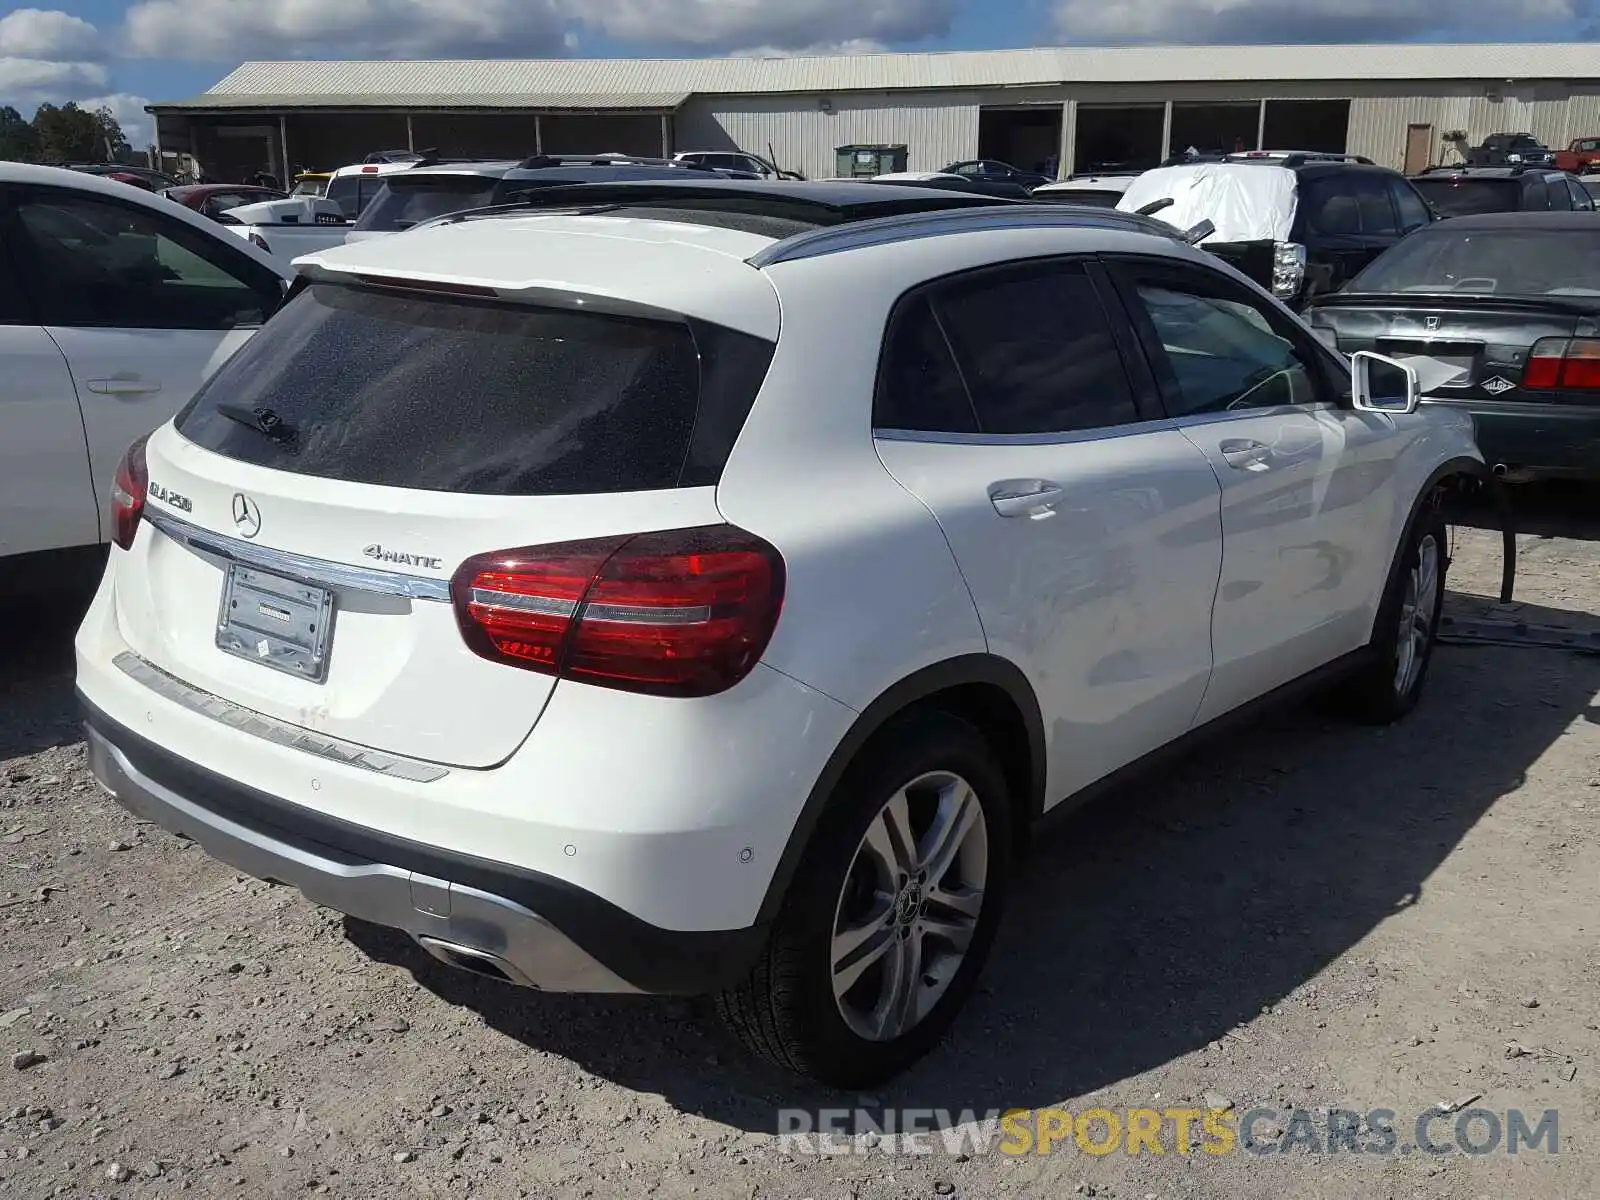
{"type": "Point", "coordinates": [214, 199]}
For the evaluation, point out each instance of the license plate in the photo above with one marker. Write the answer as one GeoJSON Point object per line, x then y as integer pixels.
{"type": "Point", "coordinates": [280, 623]}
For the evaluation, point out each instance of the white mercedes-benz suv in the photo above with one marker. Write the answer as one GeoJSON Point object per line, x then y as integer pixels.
{"type": "Point", "coordinates": [681, 598]}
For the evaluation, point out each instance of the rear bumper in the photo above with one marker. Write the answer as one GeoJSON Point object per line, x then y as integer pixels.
{"type": "Point", "coordinates": [532, 929]}
{"type": "Point", "coordinates": [1542, 437]}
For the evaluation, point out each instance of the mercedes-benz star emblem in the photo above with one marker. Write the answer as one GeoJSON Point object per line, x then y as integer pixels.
{"type": "Point", "coordinates": [246, 516]}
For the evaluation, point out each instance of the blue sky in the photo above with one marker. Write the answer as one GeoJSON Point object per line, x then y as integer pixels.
{"type": "Point", "coordinates": [126, 52]}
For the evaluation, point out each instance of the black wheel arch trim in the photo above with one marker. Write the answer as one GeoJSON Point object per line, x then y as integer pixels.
{"type": "Point", "coordinates": [1476, 469]}
{"type": "Point", "coordinates": [962, 671]}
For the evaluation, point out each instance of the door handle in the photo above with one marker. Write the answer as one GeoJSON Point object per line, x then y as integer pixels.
{"type": "Point", "coordinates": [1035, 498]}
{"type": "Point", "coordinates": [1246, 454]}
{"type": "Point", "coordinates": [122, 385]}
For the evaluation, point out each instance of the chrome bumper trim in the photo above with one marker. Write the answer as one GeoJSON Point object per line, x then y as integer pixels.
{"type": "Point", "coordinates": [279, 733]}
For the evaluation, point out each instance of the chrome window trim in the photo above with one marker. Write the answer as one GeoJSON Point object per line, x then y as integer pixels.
{"type": "Point", "coordinates": [270, 729]}
{"type": "Point", "coordinates": [1103, 433]}
{"type": "Point", "coordinates": [300, 566]}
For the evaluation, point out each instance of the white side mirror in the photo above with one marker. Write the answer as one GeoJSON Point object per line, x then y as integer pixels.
{"type": "Point", "coordinates": [1383, 385]}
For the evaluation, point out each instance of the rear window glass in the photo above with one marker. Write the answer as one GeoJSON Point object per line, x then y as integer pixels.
{"type": "Point", "coordinates": [1511, 262]}
{"type": "Point", "coordinates": [399, 205]}
{"type": "Point", "coordinates": [1466, 197]}
{"type": "Point", "coordinates": [480, 397]}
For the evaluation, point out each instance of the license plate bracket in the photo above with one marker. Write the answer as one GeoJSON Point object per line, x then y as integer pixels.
{"type": "Point", "coordinates": [281, 623]}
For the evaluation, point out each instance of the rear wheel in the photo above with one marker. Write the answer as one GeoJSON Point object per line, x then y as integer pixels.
{"type": "Point", "coordinates": [891, 916]}
{"type": "Point", "coordinates": [1408, 620]}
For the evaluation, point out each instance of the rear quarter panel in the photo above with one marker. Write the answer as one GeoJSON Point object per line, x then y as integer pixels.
{"type": "Point", "coordinates": [873, 593]}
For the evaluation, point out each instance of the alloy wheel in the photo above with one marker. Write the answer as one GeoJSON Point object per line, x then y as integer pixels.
{"type": "Point", "coordinates": [910, 904]}
{"type": "Point", "coordinates": [1418, 607]}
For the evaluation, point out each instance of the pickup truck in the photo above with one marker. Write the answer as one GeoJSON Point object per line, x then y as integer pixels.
{"type": "Point", "coordinates": [286, 229]}
{"type": "Point", "coordinates": [1582, 155]}
{"type": "Point", "coordinates": [121, 305]}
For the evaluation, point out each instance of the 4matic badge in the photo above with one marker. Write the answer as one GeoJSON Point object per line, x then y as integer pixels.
{"type": "Point", "coordinates": [1497, 385]}
{"type": "Point", "coordinates": [383, 554]}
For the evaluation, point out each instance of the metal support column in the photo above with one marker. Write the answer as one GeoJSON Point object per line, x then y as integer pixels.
{"type": "Point", "coordinates": [411, 140]}
{"type": "Point", "coordinates": [283, 150]}
{"type": "Point", "coordinates": [1261, 127]}
{"type": "Point", "coordinates": [1067, 146]}
{"type": "Point", "coordinates": [1166, 131]}
{"type": "Point", "coordinates": [155, 134]}
{"type": "Point", "coordinates": [666, 136]}
{"type": "Point", "coordinates": [538, 134]}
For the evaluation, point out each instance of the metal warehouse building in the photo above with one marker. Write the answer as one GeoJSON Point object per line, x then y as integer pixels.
{"type": "Point", "coordinates": [1405, 105]}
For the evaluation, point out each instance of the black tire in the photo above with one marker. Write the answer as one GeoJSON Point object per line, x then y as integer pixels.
{"type": "Point", "coordinates": [785, 1011]}
{"type": "Point", "coordinates": [1376, 695]}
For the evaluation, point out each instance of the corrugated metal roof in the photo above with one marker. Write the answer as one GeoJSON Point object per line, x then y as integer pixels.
{"type": "Point", "coordinates": [548, 102]}
{"type": "Point", "coordinates": [497, 83]}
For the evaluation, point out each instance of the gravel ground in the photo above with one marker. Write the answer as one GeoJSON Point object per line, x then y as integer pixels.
{"type": "Point", "coordinates": [1303, 917]}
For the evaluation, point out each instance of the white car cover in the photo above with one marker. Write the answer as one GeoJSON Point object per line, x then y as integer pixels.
{"type": "Point", "coordinates": [1247, 202]}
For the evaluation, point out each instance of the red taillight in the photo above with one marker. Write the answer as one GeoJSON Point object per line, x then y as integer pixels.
{"type": "Point", "coordinates": [128, 491]}
{"type": "Point", "coordinates": [683, 612]}
{"type": "Point", "coordinates": [1558, 364]}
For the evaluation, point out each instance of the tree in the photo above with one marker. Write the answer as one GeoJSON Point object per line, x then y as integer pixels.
{"type": "Point", "coordinates": [111, 131]}
{"type": "Point", "coordinates": [69, 134]}
{"type": "Point", "coordinates": [18, 141]}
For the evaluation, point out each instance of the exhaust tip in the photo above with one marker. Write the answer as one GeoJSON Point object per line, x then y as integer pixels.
{"type": "Point", "coordinates": [474, 960]}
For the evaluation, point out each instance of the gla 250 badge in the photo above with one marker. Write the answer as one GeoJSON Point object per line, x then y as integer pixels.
{"type": "Point", "coordinates": [178, 501]}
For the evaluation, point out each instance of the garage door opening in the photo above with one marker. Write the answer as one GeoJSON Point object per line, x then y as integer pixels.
{"type": "Point", "coordinates": [1215, 128]}
{"type": "Point", "coordinates": [1308, 125]}
{"type": "Point", "coordinates": [1029, 138]}
{"type": "Point", "coordinates": [1112, 137]}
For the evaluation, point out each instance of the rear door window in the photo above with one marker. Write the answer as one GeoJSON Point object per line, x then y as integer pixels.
{"type": "Point", "coordinates": [1409, 205]}
{"type": "Point", "coordinates": [1036, 350]}
{"type": "Point", "coordinates": [1374, 205]}
{"type": "Point", "coordinates": [452, 394]}
{"type": "Point", "coordinates": [1556, 195]}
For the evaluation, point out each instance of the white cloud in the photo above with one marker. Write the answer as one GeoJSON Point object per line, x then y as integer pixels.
{"type": "Point", "coordinates": [49, 35]}
{"type": "Point", "coordinates": [28, 81]}
{"type": "Point", "coordinates": [229, 30]}
{"type": "Point", "coordinates": [48, 56]}
{"type": "Point", "coordinates": [792, 25]}
{"type": "Point", "coordinates": [224, 30]}
{"type": "Point", "coordinates": [854, 46]}
{"type": "Point", "coordinates": [130, 114]}
{"type": "Point", "coordinates": [1095, 22]}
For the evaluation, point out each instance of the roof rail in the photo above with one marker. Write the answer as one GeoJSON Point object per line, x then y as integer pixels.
{"type": "Point", "coordinates": [536, 162]}
{"type": "Point", "coordinates": [906, 227]}
{"type": "Point", "coordinates": [1297, 158]}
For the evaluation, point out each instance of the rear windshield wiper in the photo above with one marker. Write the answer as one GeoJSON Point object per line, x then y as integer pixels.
{"type": "Point", "coordinates": [263, 420]}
